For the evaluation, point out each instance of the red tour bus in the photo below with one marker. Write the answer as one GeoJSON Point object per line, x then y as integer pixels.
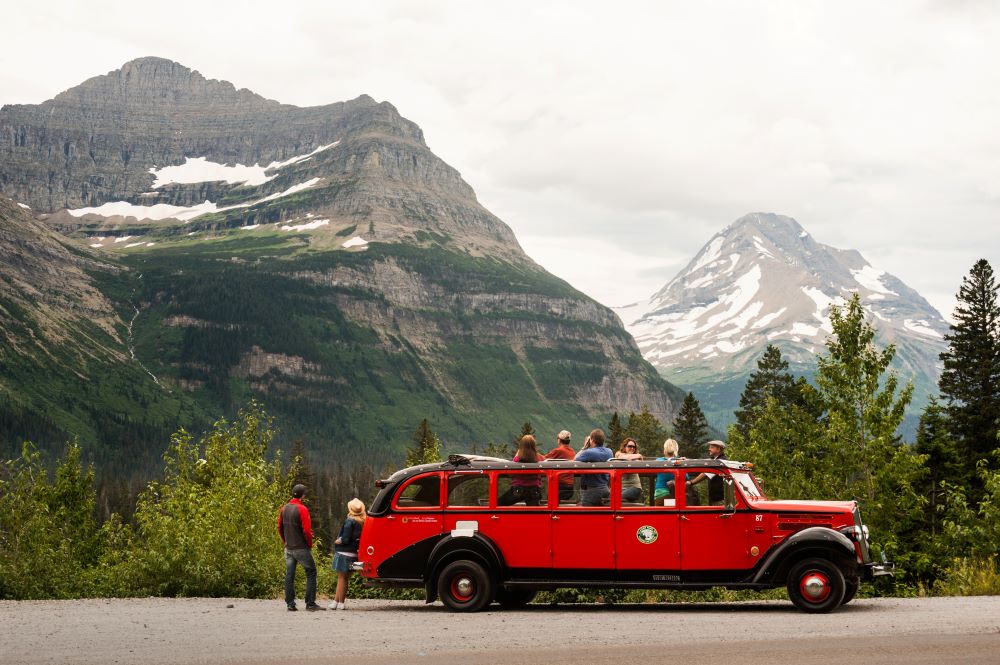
{"type": "Point", "coordinates": [445, 527]}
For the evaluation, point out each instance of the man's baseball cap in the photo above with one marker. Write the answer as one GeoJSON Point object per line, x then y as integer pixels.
{"type": "Point", "coordinates": [563, 435]}
{"type": "Point", "coordinates": [299, 491]}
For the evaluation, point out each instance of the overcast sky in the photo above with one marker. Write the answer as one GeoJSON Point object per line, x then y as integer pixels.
{"type": "Point", "coordinates": [616, 138]}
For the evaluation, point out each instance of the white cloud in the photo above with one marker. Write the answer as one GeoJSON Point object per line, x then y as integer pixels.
{"type": "Point", "coordinates": [638, 129]}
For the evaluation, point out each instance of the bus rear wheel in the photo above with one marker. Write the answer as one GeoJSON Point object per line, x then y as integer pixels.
{"type": "Point", "coordinates": [465, 586]}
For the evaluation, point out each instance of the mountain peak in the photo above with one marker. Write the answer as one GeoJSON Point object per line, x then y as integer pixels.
{"type": "Point", "coordinates": [765, 280]}
{"type": "Point", "coordinates": [155, 85]}
{"type": "Point", "coordinates": [764, 221]}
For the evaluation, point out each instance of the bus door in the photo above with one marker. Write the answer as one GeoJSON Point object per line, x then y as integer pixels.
{"type": "Point", "coordinates": [715, 538]}
{"type": "Point", "coordinates": [519, 523]}
{"type": "Point", "coordinates": [647, 528]}
{"type": "Point", "coordinates": [417, 510]}
{"type": "Point", "coordinates": [582, 525]}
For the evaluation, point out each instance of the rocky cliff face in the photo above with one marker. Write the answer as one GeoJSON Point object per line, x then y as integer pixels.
{"type": "Point", "coordinates": [322, 259]}
{"type": "Point", "coordinates": [98, 142]}
{"type": "Point", "coordinates": [46, 290]}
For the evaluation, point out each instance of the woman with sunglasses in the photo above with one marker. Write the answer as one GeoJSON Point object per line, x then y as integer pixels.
{"type": "Point", "coordinates": [631, 487]}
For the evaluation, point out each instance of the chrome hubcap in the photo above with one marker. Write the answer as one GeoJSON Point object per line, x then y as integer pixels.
{"type": "Point", "coordinates": [464, 586]}
{"type": "Point", "coordinates": [814, 586]}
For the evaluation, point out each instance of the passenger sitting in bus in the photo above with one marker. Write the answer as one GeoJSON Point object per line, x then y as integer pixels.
{"type": "Point", "coordinates": [664, 481]}
{"type": "Point", "coordinates": [563, 452]}
{"type": "Point", "coordinates": [631, 487]}
{"type": "Point", "coordinates": [595, 486]}
{"type": "Point", "coordinates": [524, 486]}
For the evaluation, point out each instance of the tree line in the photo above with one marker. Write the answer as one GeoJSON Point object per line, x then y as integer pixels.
{"type": "Point", "coordinates": [207, 526]}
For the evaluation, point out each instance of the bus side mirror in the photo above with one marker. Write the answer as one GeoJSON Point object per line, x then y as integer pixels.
{"type": "Point", "coordinates": [729, 500]}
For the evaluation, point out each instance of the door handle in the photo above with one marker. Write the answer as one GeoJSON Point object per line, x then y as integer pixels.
{"type": "Point", "coordinates": [685, 518]}
{"type": "Point", "coordinates": [725, 516]}
{"type": "Point", "coordinates": [494, 517]}
{"type": "Point", "coordinates": [555, 517]}
{"type": "Point", "coordinates": [619, 518]}
{"type": "Point", "coordinates": [391, 517]}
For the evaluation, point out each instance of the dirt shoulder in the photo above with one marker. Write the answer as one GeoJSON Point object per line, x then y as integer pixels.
{"type": "Point", "coordinates": [158, 631]}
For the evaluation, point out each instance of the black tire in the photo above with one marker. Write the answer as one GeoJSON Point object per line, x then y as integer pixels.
{"type": "Point", "coordinates": [465, 586]}
{"type": "Point", "coordinates": [816, 586]}
{"type": "Point", "coordinates": [515, 597]}
{"type": "Point", "coordinates": [850, 589]}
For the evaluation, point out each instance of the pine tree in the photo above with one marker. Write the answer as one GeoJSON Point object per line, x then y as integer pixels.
{"type": "Point", "coordinates": [501, 450]}
{"type": "Point", "coordinates": [615, 432]}
{"type": "Point", "coordinates": [691, 427]}
{"type": "Point", "coordinates": [426, 446]}
{"type": "Point", "coordinates": [970, 382]}
{"type": "Point", "coordinates": [943, 462]}
{"type": "Point", "coordinates": [647, 430]}
{"type": "Point", "coordinates": [526, 430]}
{"type": "Point", "coordinates": [301, 470]}
{"type": "Point", "coordinates": [771, 379]}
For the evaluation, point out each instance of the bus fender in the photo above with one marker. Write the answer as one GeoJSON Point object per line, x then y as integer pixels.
{"type": "Point", "coordinates": [813, 541]}
{"type": "Point", "coordinates": [474, 546]}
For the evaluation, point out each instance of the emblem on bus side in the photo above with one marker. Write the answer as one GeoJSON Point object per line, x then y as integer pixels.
{"type": "Point", "coordinates": [646, 535]}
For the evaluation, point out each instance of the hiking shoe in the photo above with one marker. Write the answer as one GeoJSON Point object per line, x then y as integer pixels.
{"type": "Point", "coordinates": [315, 608]}
{"type": "Point", "coordinates": [292, 608]}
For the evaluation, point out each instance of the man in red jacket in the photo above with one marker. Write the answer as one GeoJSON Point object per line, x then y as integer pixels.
{"type": "Point", "coordinates": [295, 529]}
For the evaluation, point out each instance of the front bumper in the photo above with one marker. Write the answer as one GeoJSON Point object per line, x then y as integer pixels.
{"type": "Point", "coordinates": [358, 566]}
{"type": "Point", "coordinates": [873, 570]}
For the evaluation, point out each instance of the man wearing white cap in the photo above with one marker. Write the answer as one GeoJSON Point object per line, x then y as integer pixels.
{"type": "Point", "coordinates": [716, 490]}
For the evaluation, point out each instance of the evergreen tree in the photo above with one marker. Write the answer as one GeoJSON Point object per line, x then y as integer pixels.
{"type": "Point", "coordinates": [526, 430]}
{"type": "Point", "coordinates": [691, 427]}
{"type": "Point", "coordinates": [943, 462]}
{"type": "Point", "coordinates": [970, 381]}
{"type": "Point", "coordinates": [501, 450]}
{"type": "Point", "coordinates": [615, 432]}
{"type": "Point", "coordinates": [426, 446]}
{"type": "Point", "coordinates": [302, 472]}
{"type": "Point", "coordinates": [647, 430]}
{"type": "Point", "coordinates": [771, 379]}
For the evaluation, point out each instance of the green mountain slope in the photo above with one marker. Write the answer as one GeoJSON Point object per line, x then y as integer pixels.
{"type": "Point", "coordinates": [354, 285]}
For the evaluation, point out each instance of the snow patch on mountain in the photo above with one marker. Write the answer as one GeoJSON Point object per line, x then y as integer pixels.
{"type": "Point", "coordinates": [184, 213]}
{"type": "Point", "coordinates": [356, 241]}
{"type": "Point", "coordinates": [200, 169]}
{"type": "Point", "coordinates": [871, 279]}
{"type": "Point", "coordinates": [307, 226]}
{"type": "Point", "coordinates": [921, 327]}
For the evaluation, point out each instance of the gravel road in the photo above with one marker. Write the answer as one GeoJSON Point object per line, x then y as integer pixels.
{"type": "Point", "coordinates": [157, 631]}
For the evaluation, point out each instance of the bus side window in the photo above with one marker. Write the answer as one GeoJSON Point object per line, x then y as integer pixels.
{"type": "Point", "coordinates": [661, 488]}
{"type": "Point", "coordinates": [522, 489]}
{"type": "Point", "coordinates": [422, 492]}
{"type": "Point", "coordinates": [588, 489]}
{"type": "Point", "coordinates": [468, 489]}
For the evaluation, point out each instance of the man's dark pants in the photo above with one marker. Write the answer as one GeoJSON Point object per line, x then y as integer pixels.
{"type": "Point", "coordinates": [304, 557]}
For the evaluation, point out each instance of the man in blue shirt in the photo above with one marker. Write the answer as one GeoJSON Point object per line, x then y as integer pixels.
{"type": "Point", "coordinates": [595, 487]}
